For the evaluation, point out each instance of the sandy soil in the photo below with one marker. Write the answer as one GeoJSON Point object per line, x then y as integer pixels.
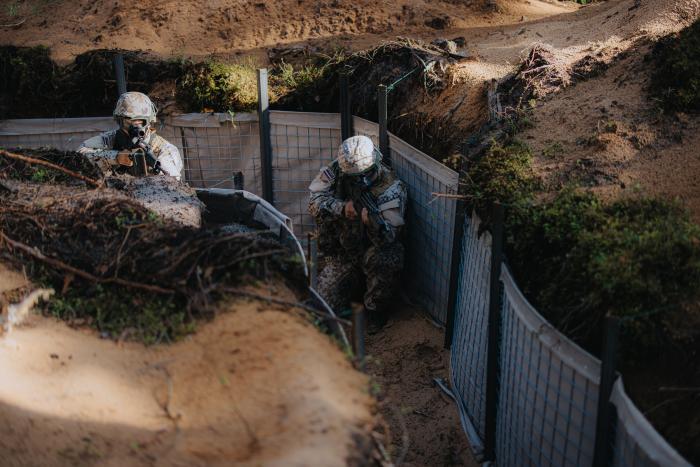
{"type": "Point", "coordinates": [258, 385]}
{"type": "Point", "coordinates": [617, 141]}
{"type": "Point", "coordinates": [11, 280]}
{"type": "Point", "coordinates": [194, 28]}
{"type": "Point", "coordinates": [403, 359]}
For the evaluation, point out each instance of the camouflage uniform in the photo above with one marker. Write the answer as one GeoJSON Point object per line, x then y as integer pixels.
{"type": "Point", "coordinates": [352, 249]}
{"type": "Point", "coordinates": [101, 149]}
{"type": "Point", "coordinates": [132, 107]}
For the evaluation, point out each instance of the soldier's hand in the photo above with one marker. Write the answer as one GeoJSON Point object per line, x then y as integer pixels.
{"type": "Point", "coordinates": [349, 210]}
{"type": "Point", "coordinates": [124, 158]}
{"type": "Point", "coordinates": [365, 216]}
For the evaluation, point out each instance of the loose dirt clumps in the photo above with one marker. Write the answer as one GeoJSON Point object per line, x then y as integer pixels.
{"type": "Point", "coordinates": [404, 358]}
{"type": "Point", "coordinates": [241, 390]}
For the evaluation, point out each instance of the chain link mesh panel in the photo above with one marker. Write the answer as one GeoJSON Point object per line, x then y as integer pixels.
{"type": "Point", "coordinates": [302, 143]}
{"type": "Point", "coordinates": [65, 134]}
{"type": "Point", "coordinates": [217, 149]}
{"type": "Point", "coordinates": [636, 442]}
{"type": "Point", "coordinates": [549, 390]}
{"type": "Point", "coordinates": [468, 356]}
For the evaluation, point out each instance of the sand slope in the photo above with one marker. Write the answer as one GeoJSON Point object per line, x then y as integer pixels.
{"type": "Point", "coordinates": [255, 386]}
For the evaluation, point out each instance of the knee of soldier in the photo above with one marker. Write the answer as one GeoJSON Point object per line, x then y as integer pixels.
{"type": "Point", "coordinates": [389, 258]}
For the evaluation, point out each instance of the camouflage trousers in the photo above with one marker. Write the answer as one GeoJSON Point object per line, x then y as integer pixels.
{"type": "Point", "coordinates": [347, 272]}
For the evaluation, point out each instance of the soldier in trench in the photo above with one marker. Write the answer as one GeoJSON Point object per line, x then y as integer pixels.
{"type": "Point", "coordinates": [359, 207]}
{"type": "Point", "coordinates": [115, 150]}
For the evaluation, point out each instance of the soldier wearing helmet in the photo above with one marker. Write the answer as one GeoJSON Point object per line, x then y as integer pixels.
{"type": "Point", "coordinates": [359, 207]}
{"type": "Point", "coordinates": [135, 114]}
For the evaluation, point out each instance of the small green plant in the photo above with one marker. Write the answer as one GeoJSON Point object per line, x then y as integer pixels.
{"type": "Point", "coordinates": [13, 9]}
{"type": "Point", "coordinates": [553, 150]}
{"type": "Point", "coordinates": [117, 312]}
{"type": "Point", "coordinates": [578, 259]}
{"type": "Point", "coordinates": [608, 126]}
{"type": "Point", "coordinates": [40, 175]}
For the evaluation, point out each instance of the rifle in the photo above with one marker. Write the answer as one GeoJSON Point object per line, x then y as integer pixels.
{"type": "Point", "coordinates": [141, 155]}
{"type": "Point", "coordinates": [364, 199]}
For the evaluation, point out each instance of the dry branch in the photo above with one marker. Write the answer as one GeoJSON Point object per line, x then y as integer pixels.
{"type": "Point", "coordinates": [31, 160]}
{"type": "Point", "coordinates": [35, 253]}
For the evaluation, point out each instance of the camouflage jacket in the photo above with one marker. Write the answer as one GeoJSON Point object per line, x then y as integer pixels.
{"type": "Point", "coordinates": [102, 148]}
{"type": "Point", "coordinates": [329, 193]}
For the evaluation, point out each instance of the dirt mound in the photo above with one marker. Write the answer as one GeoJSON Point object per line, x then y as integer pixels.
{"type": "Point", "coordinates": [241, 390]}
{"type": "Point", "coordinates": [192, 28]}
{"type": "Point", "coordinates": [106, 252]}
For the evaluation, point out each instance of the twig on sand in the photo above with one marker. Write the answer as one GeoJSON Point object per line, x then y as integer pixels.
{"type": "Point", "coordinates": [14, 25]}
{"type": "Point", "coordinates": [34, 252]}
{"type": "Point", "coordinates": [32, 160]}
{"type": "Point", "coordinates": [277, 301]}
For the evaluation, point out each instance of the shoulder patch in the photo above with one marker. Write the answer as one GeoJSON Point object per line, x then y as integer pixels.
{"type": "Point", "coordinates": [328, 174]}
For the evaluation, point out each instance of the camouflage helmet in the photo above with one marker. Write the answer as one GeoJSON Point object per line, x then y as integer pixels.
{"type": "Point", "coordinates": [135, 106]}
{"type": "Point", "coordinates": [358, 155]}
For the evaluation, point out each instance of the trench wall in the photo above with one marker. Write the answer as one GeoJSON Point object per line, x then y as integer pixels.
{"type": "Point", "coordinates": [548, 386]}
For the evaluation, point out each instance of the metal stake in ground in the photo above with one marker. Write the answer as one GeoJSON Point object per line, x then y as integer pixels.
{"type": "Point", "coordinates": [602, 455]}
{"type": "Point", "coordinates": [265, 143]}
{"type": "Point", "coordinates": [358, 335]}
{"type": "Point", "coordinates": [382, 97]}
{"type": "Point", "coordinates": [119, 73]}
{"type": "Point", "coordinates": [494, 332]}
{"type": "Point", "coordinates": [345, 108]}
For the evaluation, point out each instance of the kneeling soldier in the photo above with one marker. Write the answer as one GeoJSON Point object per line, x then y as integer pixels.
{"type": "Point", "coordinates": [359, 207]}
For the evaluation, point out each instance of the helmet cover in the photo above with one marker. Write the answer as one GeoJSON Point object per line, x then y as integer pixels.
{"type": "Point", "coordinates": [358, 155]}
{"type": "Point", "coordinates": [135, 106]}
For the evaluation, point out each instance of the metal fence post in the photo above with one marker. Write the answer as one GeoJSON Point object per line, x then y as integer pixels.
{"type": "Point", "coordinates": [359, 315]}
{"type": "Point", "coordinates": [382, 94]}
{"type": "Point", "coordinates": [345, 108]}
{"type": "Point", "coordinates": [265, 143]}
{"type": "Point", "coordinates": [457, 240]}
{"type": "Point", "coordinates": [494, 323]}
{"type": "Point", "coordinates": [604, 423]}
{"type": "Point", "coordinates": [119, 73]}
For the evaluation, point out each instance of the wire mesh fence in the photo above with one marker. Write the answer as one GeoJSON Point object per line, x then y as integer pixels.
{"type": "Point", "coordinates": [470, 328]}
{"type": "Point", "coordinates": [302, 143]}
{"type": "Point", "coordinates": [548, 386]}
{"type": "Point", "coordinates": [547, 414]}
{"type": "Point", "coordinates": [65, 134]}
{"type": "Point", "coordinates": [636, 442]}
{"type": "Point", "coordinates": [218, 150]}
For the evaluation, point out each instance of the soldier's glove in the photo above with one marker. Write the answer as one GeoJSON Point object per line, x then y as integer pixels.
{"type": "Point", "coordinates": [349, 210]}
{"type": "Point", "coordinates": [124, 158]}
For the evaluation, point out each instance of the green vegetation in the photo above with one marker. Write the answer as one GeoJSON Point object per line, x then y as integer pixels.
{"type": "Point", "coordinates": [676, 61]}
{"type": "Point", "coordinates": [216, 86]}
{"type": "Point", "coordinates": [577, 258]}
{"type": "Point", "coordinates": [504, 174]}
{"type": "Point", "coordinates": [119, 313]}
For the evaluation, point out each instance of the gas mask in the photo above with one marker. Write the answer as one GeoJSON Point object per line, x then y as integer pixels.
{"type": "Point", "coordinates": [137, 132]}
{"type": "Point", "coordinates": [368, 178]}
